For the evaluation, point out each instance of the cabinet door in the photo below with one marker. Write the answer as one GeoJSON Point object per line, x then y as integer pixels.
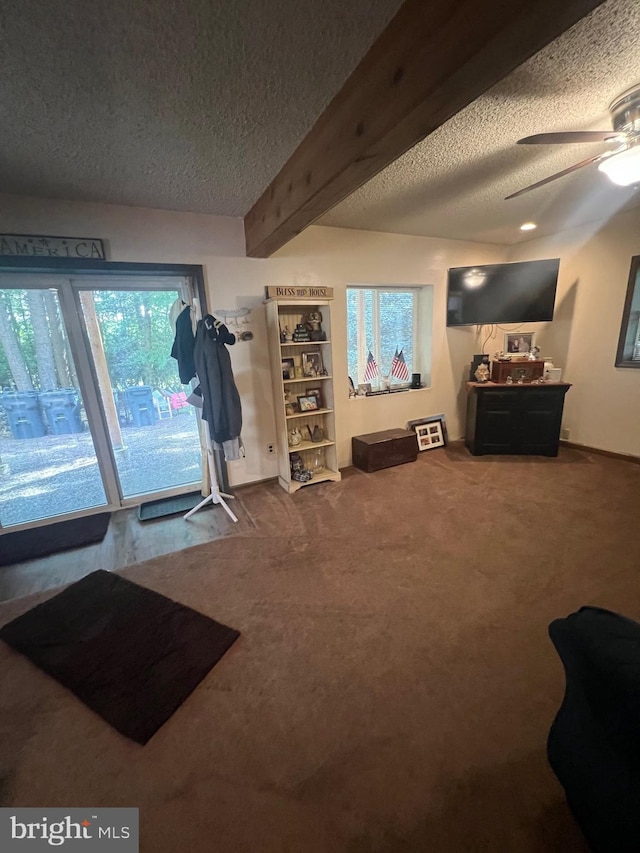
{"type": "Point", "coordinates": [496, 421]}
{"type": "Point", "coordinates": [541, 414]}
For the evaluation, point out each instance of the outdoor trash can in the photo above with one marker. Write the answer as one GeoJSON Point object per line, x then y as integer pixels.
{"type": "Point", "coordinates": [25, 419]}
{"type": "Point", "coordinates": [61, 411]}
{"type": "Point", "coordinates": [140, 402]}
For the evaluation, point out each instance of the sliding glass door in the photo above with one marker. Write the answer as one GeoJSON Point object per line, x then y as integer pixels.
{"type": "Point", "coordinates": [48, 461]}
{"type": "Point", "coordinates": [153, 430]}
{"type": "Point", "coordinates": [92, 412]}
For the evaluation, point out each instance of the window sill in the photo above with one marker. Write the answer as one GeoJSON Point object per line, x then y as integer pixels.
{"type": "Point", "coordinates": [390, 394]}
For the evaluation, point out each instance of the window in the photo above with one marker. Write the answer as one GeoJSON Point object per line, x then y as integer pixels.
{"type": "Point", "coordinates": [384, 321]}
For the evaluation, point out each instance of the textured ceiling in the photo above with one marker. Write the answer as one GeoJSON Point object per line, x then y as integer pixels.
{"type": "Point", "coordinates": [190, 105]}
{"type": "Point", "coordinates": [196, 105]}
{"type": "Point", "coordinates": [453, 184]}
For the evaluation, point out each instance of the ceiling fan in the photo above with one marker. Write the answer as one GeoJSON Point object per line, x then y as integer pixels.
{"type": "Point", "coordinates": [621, 164]}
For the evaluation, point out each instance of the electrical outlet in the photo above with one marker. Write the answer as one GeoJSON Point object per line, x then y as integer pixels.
{"type": "Point", "coordinates": [565, 433]}
{"type": "Point", "coordinates": [271, 448]}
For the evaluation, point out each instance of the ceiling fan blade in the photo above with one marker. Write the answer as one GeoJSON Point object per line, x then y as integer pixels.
{"type": "Point", "coordinates": [557, 175]}
{"type": "Point", "coordinates": [572, 136]}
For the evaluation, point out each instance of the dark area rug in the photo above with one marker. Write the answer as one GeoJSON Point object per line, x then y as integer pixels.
{"type": "Point", "coordinates": [130, 654]}
{"type": "Point", "coordinates": [169, 506]}
{"type": "Point", "coordinates": [41, 541]}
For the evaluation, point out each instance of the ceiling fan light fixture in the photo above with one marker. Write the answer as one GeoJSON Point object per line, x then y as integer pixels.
{"type": "Point", "coordinates": [474, 278]}
{"type": "Point", "coordinates": [623, 169]}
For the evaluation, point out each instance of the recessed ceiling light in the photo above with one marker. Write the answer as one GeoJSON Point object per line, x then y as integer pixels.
{"type": "Point", "coordinates": [528, 226]}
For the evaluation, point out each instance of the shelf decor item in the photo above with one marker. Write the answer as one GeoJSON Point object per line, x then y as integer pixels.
{"type": "Point", "coordinates": [308, 403]}
{"type": "Point", "coordinates": [312, 363]}
{"type": "Point", "coordinates": [301, 334]}
{"type": "Point", "coordinates": [317, 393]}
{"type": "Point", "coordinates": [288, 368]}
{"type": "Point", "coordinates": [516, 370]}
{"type": "Point", "coordinates": [477, 360]}
{"type": "Point", "coordinates": [314, 322]}
{"type": "Point", "coordinates": [310, 422]}
{"type": "Point", "coordinates": [295, 437]}
{"type": "Point", "coordinates": [299, 473]}
{"type": "Point", "coordinates": [482, 372]}
{"type": "Point", "coordinates": [519, 343]}
{"type": "Point", "coordinates": [316, 460]}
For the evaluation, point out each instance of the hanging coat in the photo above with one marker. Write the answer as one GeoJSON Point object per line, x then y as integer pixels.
{"type": "Point", "coordinates": [183, 346]}
{"type": "Point", "coordinates": [221, 401]}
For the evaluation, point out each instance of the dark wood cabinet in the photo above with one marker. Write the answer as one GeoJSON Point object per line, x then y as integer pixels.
{"type": "Point", "coordinates": [516, 419]}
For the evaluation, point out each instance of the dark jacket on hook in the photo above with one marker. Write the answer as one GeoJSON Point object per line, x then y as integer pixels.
{"type": "Point", "coordinates": [221, 401]}
{"type": "Point", "coordinates": [183, 345]}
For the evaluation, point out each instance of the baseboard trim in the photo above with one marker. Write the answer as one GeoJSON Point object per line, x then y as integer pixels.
{"type": "Point", "coordinates": [626, 457]}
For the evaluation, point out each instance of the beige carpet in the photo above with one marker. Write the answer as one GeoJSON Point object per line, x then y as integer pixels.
{"type": "Point", "coordinates": [393, 685]}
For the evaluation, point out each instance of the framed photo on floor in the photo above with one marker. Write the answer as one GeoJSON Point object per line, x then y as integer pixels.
{"type": "Point", "coordinates": [429, 435]}
{"type": "Point", "coordinates": [429, 420]}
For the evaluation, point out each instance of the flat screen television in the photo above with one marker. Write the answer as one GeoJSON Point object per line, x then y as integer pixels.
{"type": "Point", "coordinates": [522, 292]}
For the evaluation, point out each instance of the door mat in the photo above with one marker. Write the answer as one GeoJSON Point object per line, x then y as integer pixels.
{"type": "Point", "coordinates": [130, 654]}
{"type": "Point", "coordinates": [42, 541]}
{"type": "Point", "coordinates": [169, 506]}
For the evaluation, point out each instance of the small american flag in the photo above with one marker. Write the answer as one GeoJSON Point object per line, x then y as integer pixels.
{"type": "Point", "coordinates": [371, 370]}
{"type": "Point", "coordinates": [399, 366]}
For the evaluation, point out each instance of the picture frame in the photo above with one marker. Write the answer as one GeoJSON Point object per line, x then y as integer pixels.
{"type": "Point", "coordinates": [441, 418]}
{"type": "Point", "coordinates": [288, 368]}
{"type": "Point", "coordinates": [364, 388]}
{"type": "Point", "coordinates": [312, 363]}
{"type": "Point", "coordinates": [519, 343]}
{"type": "Point", "coordinates": [628, 350]}
{"type": "Point", "coordinates": [315, 392]}
{"type": "Point", "coordinates": [308, 403]}
{"type": "Point", "coordinates": [429, 435]}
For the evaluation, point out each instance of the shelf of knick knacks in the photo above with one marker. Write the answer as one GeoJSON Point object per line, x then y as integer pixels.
{"type": "Point", "coordinates": [300, 350]}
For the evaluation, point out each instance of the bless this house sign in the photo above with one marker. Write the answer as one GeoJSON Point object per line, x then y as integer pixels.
{"type": "Point", "coordinates": [40, 246]}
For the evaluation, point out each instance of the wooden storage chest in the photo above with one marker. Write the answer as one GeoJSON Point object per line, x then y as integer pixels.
{"type": "Point", "coordinates": [384, 449]}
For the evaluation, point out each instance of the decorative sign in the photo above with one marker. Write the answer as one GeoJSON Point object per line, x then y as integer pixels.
{"type": "Point", "coordinates": [385, 391]}
{"type": "Point", "coordinates": [294, 292]}
{"type": "Point", "coordinates": [39, 246]}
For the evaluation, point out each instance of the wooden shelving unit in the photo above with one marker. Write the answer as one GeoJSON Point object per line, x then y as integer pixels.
{"type": "Point", "coordinates": [283, 313]}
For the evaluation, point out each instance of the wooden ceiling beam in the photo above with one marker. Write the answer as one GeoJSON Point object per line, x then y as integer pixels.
{"type": "Point", "coordinates": [433, 59]}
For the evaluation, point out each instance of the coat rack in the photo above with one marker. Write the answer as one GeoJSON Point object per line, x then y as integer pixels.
{"type": "Point", "coordinates": [215, 496]}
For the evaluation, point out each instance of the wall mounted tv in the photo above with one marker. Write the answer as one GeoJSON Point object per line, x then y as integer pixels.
{"type": "Point", "coordinates": [522, 292]}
